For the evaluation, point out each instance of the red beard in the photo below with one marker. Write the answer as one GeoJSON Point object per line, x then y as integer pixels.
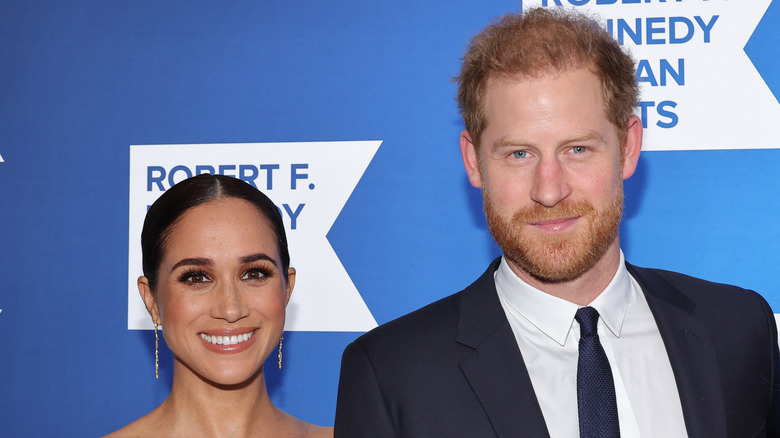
{"type": "Point", "coordinates": [560, 257]}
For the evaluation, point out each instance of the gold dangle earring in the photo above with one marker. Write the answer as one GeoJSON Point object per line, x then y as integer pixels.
{"type": "Point", "coordinates": [156, 352]}
{"type": "Point", "coordinates": [279, 355]}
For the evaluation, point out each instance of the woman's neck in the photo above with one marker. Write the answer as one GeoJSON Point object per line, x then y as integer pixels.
{"type": "Point", "coordinates": [198, 407]}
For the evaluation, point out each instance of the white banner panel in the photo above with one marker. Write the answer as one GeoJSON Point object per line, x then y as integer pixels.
{"type": "Point", "coordinates": [699, 88]}
{"type": "Point", "coordinates": [309, 183]}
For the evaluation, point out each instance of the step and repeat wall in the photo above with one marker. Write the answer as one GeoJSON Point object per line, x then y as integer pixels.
{"type": "Point", "coordinates": [344, 114]}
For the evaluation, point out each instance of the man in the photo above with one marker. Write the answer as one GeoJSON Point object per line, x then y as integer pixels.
{"type": "Point", "coordinates": [560, 337]}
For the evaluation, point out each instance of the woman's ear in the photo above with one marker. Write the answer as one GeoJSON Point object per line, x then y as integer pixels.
{"type": "Point", "coordinates": [290, 284]}
{"type": "Point", "coordinates": [149, 299]}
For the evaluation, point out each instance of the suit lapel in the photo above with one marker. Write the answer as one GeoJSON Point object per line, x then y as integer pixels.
{"type": "Point", "coordinates": [494, 366]}
{"type": "Point", "coordinates": [497, 374]}
{"type": "Point", "coordinates": [691, 353]}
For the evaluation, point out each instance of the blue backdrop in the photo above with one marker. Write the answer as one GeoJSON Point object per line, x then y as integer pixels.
{"type": "Point", "coordinates": [81, 81]}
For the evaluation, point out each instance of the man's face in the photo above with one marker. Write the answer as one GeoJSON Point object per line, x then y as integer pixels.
{"type": "Point", "coordinates": [551, 173]}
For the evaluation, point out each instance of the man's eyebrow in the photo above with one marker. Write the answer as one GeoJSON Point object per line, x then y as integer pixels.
{"type": "Point", "coordinates": [508, 141]}
{"type": "Point", "coordinates": [195, 261]}
{"type": "Point", "coordinates": [256, 257]}
{"type": "Point", "coordinates": [585, 136]}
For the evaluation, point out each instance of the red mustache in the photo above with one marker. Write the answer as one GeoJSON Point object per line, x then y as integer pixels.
{"type": "Point", "coordinates": [564, 210]}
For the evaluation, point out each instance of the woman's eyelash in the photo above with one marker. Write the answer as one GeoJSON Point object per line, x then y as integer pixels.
{"type": "Point", "coordinates": [263, 272]}
{"type": "Point", "coordinates": [187, 276]}
{"type": "Point", "coordinates": [197, 276]}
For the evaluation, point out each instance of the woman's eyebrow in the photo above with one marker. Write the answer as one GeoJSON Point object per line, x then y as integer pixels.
{"type": "Point", "coordinates": [196, 261]}
{"type": "Point", "coordinates": [256, 257]}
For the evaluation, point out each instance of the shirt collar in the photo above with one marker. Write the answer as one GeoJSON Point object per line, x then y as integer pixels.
{"type": "Point", "coordinates": [554, 316]}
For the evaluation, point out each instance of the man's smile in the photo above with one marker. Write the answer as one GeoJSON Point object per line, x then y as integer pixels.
{"type": "Point", "coordinates": [555, 225]}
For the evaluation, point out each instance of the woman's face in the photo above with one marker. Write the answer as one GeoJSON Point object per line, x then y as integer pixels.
{"type": "Point", "coordinates": [221, 293]}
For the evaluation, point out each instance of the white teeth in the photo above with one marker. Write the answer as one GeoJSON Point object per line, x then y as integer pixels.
{"type": "Point", "coordinates": [227, 340]}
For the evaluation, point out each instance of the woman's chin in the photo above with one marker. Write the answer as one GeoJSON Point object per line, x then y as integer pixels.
{"type": "Point", "coordinates": [236, 379]}
{"type": "Point", "coordinates": [228, 377]}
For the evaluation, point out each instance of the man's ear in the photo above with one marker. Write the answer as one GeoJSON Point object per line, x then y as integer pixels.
{"type": "Point", "coordinates": [290, 284]}
{"type": "Point", "coordinates": [149, 299]}
{"type": "Point", "coordinates": [470, 159]}
{"type": "Point", "coordinates": [633, 146]}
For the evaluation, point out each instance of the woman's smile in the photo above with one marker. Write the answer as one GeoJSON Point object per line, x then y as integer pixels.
{"type": "Point", "coordinates": [234, 343]}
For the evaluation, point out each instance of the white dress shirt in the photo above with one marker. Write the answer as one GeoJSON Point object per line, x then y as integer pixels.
{"type": "Point", "coordinates": [548, 337]}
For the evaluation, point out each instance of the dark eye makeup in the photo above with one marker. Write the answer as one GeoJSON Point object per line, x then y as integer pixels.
{"type": "Point", "coordinates": [194, 276]}
{"type": "Point", "coordinates": [257, 273]}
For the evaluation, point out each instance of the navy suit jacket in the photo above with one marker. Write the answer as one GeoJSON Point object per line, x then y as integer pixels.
{"type": "Point", "coordinates": [453, 368]}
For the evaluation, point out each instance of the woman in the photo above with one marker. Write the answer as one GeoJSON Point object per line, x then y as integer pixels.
{"type": "Point", "coordinates": [217, 278]}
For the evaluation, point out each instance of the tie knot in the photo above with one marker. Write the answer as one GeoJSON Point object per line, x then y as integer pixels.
{"type": "Point", "coordinates": [588, 317]}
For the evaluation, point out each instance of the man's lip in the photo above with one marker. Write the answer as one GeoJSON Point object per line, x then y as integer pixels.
{"type": "Point", "coordinates": [555, 224]}
{"type": "Point", "coordinates": [229, 331]}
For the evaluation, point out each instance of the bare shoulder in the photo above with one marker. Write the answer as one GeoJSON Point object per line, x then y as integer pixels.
{"type": "Point", "coordinates": [303, 429]}
{"type": "Point", "coordinates": [147, 426]}
{"type": "Point", "coordinates": [136, 429]}
{"type": "Point", "coordinates": [319, 432]}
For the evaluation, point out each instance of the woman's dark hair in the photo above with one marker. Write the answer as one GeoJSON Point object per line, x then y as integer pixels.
{"type": "Point", "coordinates": [168, 209]}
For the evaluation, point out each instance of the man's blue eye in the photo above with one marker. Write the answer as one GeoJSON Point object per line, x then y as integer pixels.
{"type": "Point", "coordinates": [578, 149]}
{"type": "Point", "coordinates": [520, 154]}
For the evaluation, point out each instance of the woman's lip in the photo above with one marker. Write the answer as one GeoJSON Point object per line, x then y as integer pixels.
{"type": "Point", "coordinates": [554, 225]}
{"type": "Point", "coordinates": [229, 331]}
{"type": "Point", "coordinates": [233, 343]}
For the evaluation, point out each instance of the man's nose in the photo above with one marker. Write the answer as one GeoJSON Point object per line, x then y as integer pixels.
{"type": "Point", "coordinates": [550, 185]}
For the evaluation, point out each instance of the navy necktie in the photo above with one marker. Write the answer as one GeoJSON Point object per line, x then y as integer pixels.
{"type": "Point", "coordinates": [595, 387]}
